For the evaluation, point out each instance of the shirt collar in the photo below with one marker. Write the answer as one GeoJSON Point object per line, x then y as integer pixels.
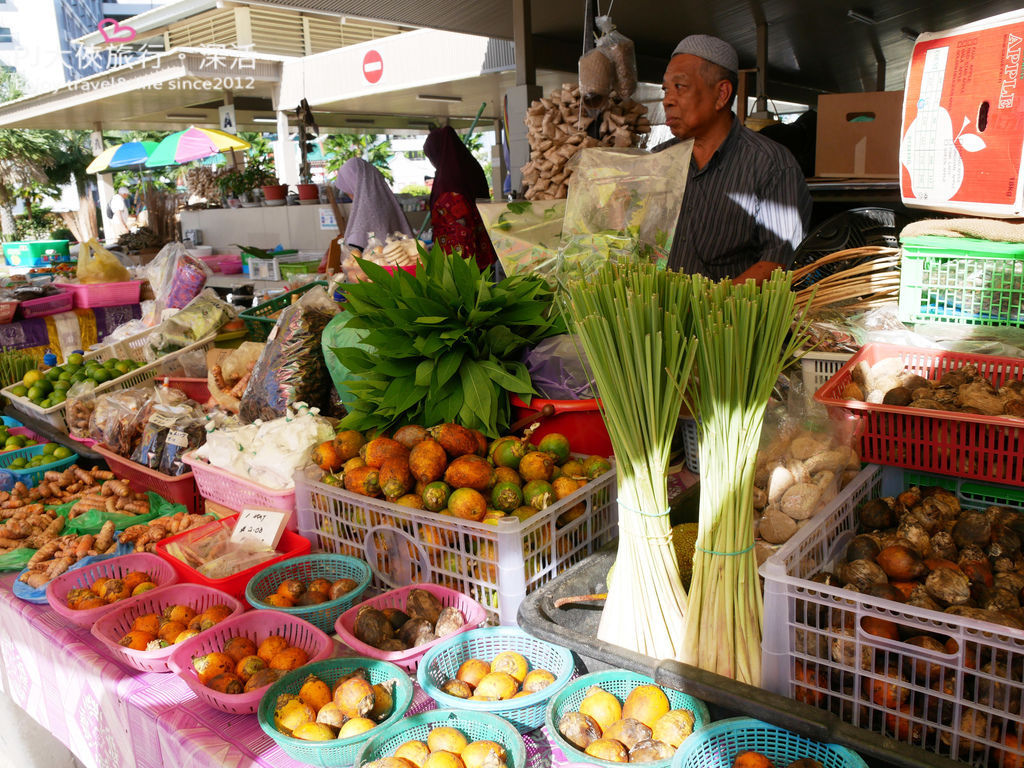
{"type": "Point", "coordinates": [723, 149]}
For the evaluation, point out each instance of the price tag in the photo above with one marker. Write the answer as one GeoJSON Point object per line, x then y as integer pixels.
{"type": "Point", "coordinates": [262, 525]}
{"type": "Point", "coordinates": [178, 438]}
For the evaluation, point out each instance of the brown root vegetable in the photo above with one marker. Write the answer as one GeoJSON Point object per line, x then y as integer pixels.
{"type": "Point", "coordinates": [923, 670]}
{"type": "Point", "coordinates": [972, 528]}
{"type": "Point", "coordinates": [579, 730]}
{"type": "Point", "coordinates": [449, 620]}
{"type": "Point", "coordinates": [372, 627]}
{"type": "Point", "coordinates": [650, 750]}
{"type": "Point", "coordinates": [876, 515]}
{"type": "Point", "coordinates": [995, 617]}
{"type": "Point", "coordinates": [888, 690]}
{"type": "Point", "coordinates": [393, 645]}
{"type": "Point", "coordinates": [897, 396]}
{"type": "Point", "coordinates": [421, 604]}
{"type": "Point", "coordinates": [886, 592]}
{"type": "Point", "coordinates": [417, 632]}
{"type": "Point", "coordinates": [862, 548]}
{"type": "Point", "coordinates": [395, 617]}
{"type": "Point", "coordinates": [629, 731]}
{"type": "Point", "coordinates": [901, 563]}
{"type": "Point", "coordinates": [862, 574]}
{"type": "Point", "coordinates": [943, 546]}
{"type": "Point", "coordinates": [948, 586]}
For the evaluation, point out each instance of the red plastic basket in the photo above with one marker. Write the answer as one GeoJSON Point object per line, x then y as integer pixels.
{"type": "Point", "coordinates": [290, 545]}
{"type": "Point", "coordinates": [46, 305]}
{"type": "Point", "coordinates": [196, 389]}
{"type": "Point", "coordinates": [179, 490]}
{"type": "Point", "coordinates": [115, 568]}
{"type": "Point", "coordinates": [104, 294]}
{"type": "Point", "coordinates": [112, 626]}
{"type": "Point", "coordinates": [989, 448]}
{"type": "Point", "coordinates": [234, 492]}
{"type": "Point", "coordinates": [473, 612]}
{"type": "Point", "coordinates": [579, 420]}
{"type": "Point", "coordinates": [257, 626]}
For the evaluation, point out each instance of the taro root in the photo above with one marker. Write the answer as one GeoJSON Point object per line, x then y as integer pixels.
{"type": "Point", "coordinates": [942, 546]}
{"type": "Point", "coordinates": [801, 501]}
{"type": "Point", "coordinates": [629, 731]}
{"type": "Point", "coordinates": [992, 691]}
{"type": "Point", "coordinates": [979, 614]}
{"type": "Point", "coordinates": [844, 651]}
{"type": "Point", "coordinates": [650, 750]}
{"type": "Point", "coordinates": [775, 527]}
{"type": "Point", "coordinates": [902, 727]}
{"type": "Point", "coordinates": [923, 670]}
{"type": "Point", "coordinates": [901, 563]}
{"type": "Point", "coordinates": [972, 528]}
{"type": "Point", "coordinates": [815, 680]}
{"type": "Point", "coordinates": [916, 535]}
{"type": "Point", "coordinates": [878, 627]}
{"type": "Point", "coordinates": [413, 629]}
{"type": "Point", "coordinates": [395, 617]}
{"type": "Point", "coordinates": [579, 730]}
{"type": "Point", "coordinates": [886, 592]}
{"type": "Point", "coordinates": [1014, 582]}
{"type": "Point", "coordinates": [975, 566]}
{"type": "Point", "coordinates": [862, 547]}
{"type": "Point", "coordinates": [919, 598]}
{"type": "Point", "coordinates": [862, 574]}
{"type": "Point", "coordinates": [887, 690]}
{"type": "Point", "coordinates": [876, 514]}
{"type": "Point", "coordinates": [1005, 542]}
{"type": "Point", "coordinates": [998, 599]}
{"type": "Point", "coordinates": [948, 586]}
{"type": "Point", "coordinates": [372, 627]}
{"type": "Point", "coordinates": [393, 645]}
{"type": "Point", "coordinates": [450, 620]}
{"type": "Point", "coordinates": [973, 725]}
{"type": "Point", "coordinates": [420, 604]}
{"type": "Point", "coordinates": [897, 396]}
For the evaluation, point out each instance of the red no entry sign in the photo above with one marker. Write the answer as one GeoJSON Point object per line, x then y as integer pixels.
{"type": "Point", "coordinates": [373, 66]}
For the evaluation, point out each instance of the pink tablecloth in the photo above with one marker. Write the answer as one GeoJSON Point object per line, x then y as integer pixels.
{"type": "Point", "coordinates": [112, 716]}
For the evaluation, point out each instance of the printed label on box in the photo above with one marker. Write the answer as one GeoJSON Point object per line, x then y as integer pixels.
{"type": "Point", "coordinates": [327, 220]}
{"type": "Point", "coordinates": [264, 526]}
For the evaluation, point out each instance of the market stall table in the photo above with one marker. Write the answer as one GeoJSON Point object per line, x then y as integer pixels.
{"type": "Point", "coordinates": [112, 716]}
{"type": "Point", "coordinates": [66, 331]}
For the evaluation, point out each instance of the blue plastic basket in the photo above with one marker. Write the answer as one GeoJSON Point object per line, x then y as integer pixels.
{"type": "Point", "coordinates": [475, 726]}
{"type": "Point", "coordinates": [9, 422]}
{"type": "Point", "coordinates": [24, 592]}
{"type": "Point", "coordinates": [336, 752]}
{"type": "Point", "coordinates": [716, 746]}
{"type": "Point", "coordinates": [36, 474]}
{"type": "Point", "coordinates": [442, 662]}
{"type": "Point", "coordinates": [620, 683]}
{"type": "Point", "coordinates": [305, 569]}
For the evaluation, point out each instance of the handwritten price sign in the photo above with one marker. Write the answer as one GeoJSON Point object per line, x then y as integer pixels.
{"type": "Point", "coordinates": [264, 526]}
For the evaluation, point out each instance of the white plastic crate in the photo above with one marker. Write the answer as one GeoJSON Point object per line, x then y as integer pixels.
{"type": "Point", "coordinates": [54, 415]}
{"type": "Point", "coordinates": [816, 650]}
{"type": "Point", "coordinates": [818, 367]}
{"type": "Point", "coordinates": [495, 564]}
{"type": "Point", "coordinates": [691, 444]}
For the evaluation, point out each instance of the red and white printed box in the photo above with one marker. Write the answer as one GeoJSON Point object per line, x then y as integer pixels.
{"type": "Point", "coordinates": [962, 138]}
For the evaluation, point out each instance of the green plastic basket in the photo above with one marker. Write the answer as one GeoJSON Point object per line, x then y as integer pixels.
{"type": "Point", "coordinates": [716, 746]}
{"type": "Point", "coordinates": [961, 280]}
{"type": "Point", "coordinates": [442, 662]}
{"type": "Point", "coordinates": [257, 320]}
{"type": "Point", "coordinates": [475, 726]}
{"type": "Point", "coordinates": [305, 569]}
{"type": "Point", "coordinates": [246, 255]}
{"type": "Point", "coordinates": [298, 268]}
{"type": "Point", "coordinates": [336, 752]}
{"type": "Point", "coordinates": [619, 683]}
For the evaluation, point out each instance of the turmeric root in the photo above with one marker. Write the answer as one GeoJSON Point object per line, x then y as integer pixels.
{"type": "Point", "coordinates": [45, 552]}
{"type": "Point", "coordinates": [105, 537]}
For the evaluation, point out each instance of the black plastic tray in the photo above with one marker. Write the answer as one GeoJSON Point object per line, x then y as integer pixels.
{"type": "Point", "coordinates": [575, 627]}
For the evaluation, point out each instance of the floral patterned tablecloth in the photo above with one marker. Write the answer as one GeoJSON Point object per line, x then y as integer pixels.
{"type": "Point", "coordinates": [112, 716]}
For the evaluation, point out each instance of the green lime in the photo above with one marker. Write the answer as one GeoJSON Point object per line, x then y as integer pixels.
{"type": "Point", "coordinates": [36, 394]}
{"type": "Point", "coordinates": [58, 397]}
{"type": "Point", "coordinates": [19, 390]}
{"type": "Point", "coordinates": [49, 448]}
{"type": "Point", "coordinates": [45, 384]}
{"type": "Point", "coordinates": [52, 374]}
{"type": "Point", "coordinates": [18, 463]}
{"type": "Point", "coordinates": [123, 367]}
{"type": "Point", "coordinates": [75, 358]}
{"type": "Point", "coordinates": [61, 385]}
{"type": "Point", "coordinates": [69, 368]}
{"type": "Point", "coordinates": [30, 442]}
{"type": "Point", "coordinates": [62, 452]}
{"type": "Point", "coordinates": [46, 403]}
{"type": "Point", "coordinates": [15, 441]}
{"type": "Point", "coordinates": [65, 376]}
{"type": "Point", "coordinates": [101, 375]}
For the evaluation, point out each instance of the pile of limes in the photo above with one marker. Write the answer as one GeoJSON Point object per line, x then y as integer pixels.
{"type": "Point", "coordinates": [9, 442]}
{"type": "Point", "coordinates": [52, 452]}
{"type": "Point", "coordinates": [49, 388]}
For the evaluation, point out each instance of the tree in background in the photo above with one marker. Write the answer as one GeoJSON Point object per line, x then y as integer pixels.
{"type": "Point", "coordinates": [376, 150]}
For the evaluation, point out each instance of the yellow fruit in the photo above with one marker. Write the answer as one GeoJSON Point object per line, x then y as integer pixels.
{"type": "Point", "coordinates": [536, 679]}
{"type": "Point", "coordinates": [291, 712]}
{"type": "Point", "coordinates": [498, 685]}
{"type": "Point", "coordinates": [673, 727]}
{"type": "Point", "coordinates": [511, 662]}
{"type": "Point", "coordinates": [382, 703]}
{"type": "Point", "coordinates": [472, 671]}
{"type": "Point", "coordinates": [315, 692]}
{"type": "Point", "coordinates": [415, 752]}
{"type": "Point", "coordinates": [443, 759]}
{"type": "Point", "coordinates": [479, 754]}
{"type": "Point", "coordinates": [314, 732]}
{"type": "Point", "coordinates": [608, 749]}
{"type": "Point", "coordinates": [355, 726]}
{"type": "Point", "coordinates": [602, 706]}
{"type": "Point", "coordinates": [646, 703]}
{"type": "Point", "coordinates": [447, 739]}
{"type": "Point", "coordinates": [331, 714]}
{"type": "Point", "coordinates": [356, 697]}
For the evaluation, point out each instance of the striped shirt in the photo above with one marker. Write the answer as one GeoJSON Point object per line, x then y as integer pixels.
{"type": "Point", "coordinates": [749, 203]}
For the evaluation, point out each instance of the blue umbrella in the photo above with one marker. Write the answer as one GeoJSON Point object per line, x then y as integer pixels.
{"type": "Point", "coordinates": [128, 155]}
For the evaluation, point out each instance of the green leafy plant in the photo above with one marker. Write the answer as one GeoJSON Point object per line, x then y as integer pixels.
{"type": "Point", "coordinates": [444, 344]}
{"type": "Point", "coordinates": [376, 150]}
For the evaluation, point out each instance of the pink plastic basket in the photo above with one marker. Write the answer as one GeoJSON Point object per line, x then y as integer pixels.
{"type": "Point", "coordinates": [24, 432]}
{"type": "Point", "coordinates": [104, 294]}
{"type": "Point", "coordinates": [47, 305]}
{"type": "Point", "coordinates": [233, 267]}
{"type": "Point", "coordinates": [112, 626]}
{"type": "Point", "coordinates": [257, 626]}
{"type": "Point", "coordinates": [114, 568]}
{"type": "Point", "coordinates": [234, 492]}
{"type": "Point", "coordinates": [345, 625]}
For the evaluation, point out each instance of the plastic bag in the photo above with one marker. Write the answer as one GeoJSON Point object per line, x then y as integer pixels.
{"type": "Point", "coordinates": [98, 265]}
{"type": "Point", "coordinates": [621, 52]}
{"type": "Point", "coordinates": [337, 336]}
{"type": "Point", "coordinates": [176, 277]}
{"type": "Point", "coordinates": [523, 233]}
{"type": "Point", "coordinates": [81, 402]}
{"type": "Point", "coordinates": [203, 316]}
{"type": "Point", "coordinates": [559, 369]}
{"type": "Point", "coordinates": [169, 431]}
{"type": "Point", "coordinates": [229, 373]}
{"type": "Point", "coordinates": [597, 79]}
{"type": "Point", "coordinates": [291, 368]}
{"type": "Point", "coordinates": [213, 554]}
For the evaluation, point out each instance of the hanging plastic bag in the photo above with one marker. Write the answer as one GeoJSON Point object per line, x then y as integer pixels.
{"type": "Point", "coordinates": [597, 79]}
{"type": "Point", "coordinates": [98, 265]}
{"type": "Point", "coordinates": [203, 316]}
{"type": "Point", "coordinates": [621, 52]}
{"type": "Point", "coordinates": [176, 277]}
{"type": "Point", "coordinates": [559, 369]}
{"type": "Point", "coordinates": [291, 368]}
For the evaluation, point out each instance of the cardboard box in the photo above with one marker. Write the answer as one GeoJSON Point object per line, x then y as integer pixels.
{"type": "Point", "coordinates": [962, 137]}
{"type": "Point", "coordinates": [859, 135]}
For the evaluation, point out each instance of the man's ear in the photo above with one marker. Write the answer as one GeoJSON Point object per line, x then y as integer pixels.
{"type": "Point", "coordinates": [724, 94]}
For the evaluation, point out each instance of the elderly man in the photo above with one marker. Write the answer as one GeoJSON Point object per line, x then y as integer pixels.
{"type": "Point", "coordinates": [746, 206]}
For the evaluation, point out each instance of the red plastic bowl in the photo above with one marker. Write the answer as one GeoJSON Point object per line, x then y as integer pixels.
{"type": "Point", "coordinates": [579, 420]}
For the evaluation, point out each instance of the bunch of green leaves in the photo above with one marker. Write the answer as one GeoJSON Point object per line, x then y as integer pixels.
{"type": "Point", "coordinates": [444, 344]}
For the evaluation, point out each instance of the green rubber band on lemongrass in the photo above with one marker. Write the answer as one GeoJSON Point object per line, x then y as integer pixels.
{"type": "Point", "coordinates": [724, 554]}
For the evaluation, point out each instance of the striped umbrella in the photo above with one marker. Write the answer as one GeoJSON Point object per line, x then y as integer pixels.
{"type": "Point", "coordinates": [193, 144]}
{"type": "Point", "coordinates": [132, 154]}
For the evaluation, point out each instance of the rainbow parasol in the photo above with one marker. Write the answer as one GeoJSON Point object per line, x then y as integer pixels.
{"type": "Point", "coordinates": [193, 144]}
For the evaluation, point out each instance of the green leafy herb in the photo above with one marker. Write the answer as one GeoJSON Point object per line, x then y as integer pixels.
{"type": "Point", "coordinates": [444, 344]}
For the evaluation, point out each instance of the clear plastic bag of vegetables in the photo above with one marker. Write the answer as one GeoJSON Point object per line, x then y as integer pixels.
{"type": "Point", "coordinates": [291, 368]}
{"type": "Point", "coordinates": [203, 316]}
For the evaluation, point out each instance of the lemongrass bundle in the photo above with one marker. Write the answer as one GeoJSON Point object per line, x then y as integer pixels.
{"type": "Point", "coordinates": [634, 324]}
{"type": "Point", "coordinates": [745, 342]}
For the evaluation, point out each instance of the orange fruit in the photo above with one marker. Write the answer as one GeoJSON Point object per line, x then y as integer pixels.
{"type": "Point", "coordinates": [291, 588]}
{"type": "Point", "coordinates": [136, 640]}
{"type": "Point", "coordinates": [239, 647]}
{"type": "Point", "coordinates": [280, 601]}
{"type": "Point", "coordinates": [319, 585]}
{"type": "Point", "coordinates": [209, 665]}
{"type": "Point", "coordinates": [97, 585]}
{"type": "Point", "coordinates": [249, 666]}
{"type": "Point", "coordinates": [288, 659]}
{"type": "Point", "coordinates": [91, 602]}
{"type": "Point", "coordinates": [114, 589]}
{"type": "Point", "coordinates": [185, 635]}
{"type": "Point", "coordinates": [133, 579]}
{"type": "Point", "coordinates": [226, 682]}
{"type": "Point", "coordinates": [143, 587]}
{"type": "Point", "coordinates": [77, 595]}
{"type": "Point", "coordinates": [270, 647]}
{"type": "Point", "coordinates": [180, 613]}
{"type": "Point", "coordinates": [217, 613]}
{"type": "Point", "coordinates": [170, 630]}
{"type": "Point", "coordinates": [147, 622]}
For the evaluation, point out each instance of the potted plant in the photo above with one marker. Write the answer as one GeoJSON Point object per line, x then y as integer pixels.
{"type": "Point", "coordinates": [233, 186]}
{"type": "Point", "coordinates": [260, 174]}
